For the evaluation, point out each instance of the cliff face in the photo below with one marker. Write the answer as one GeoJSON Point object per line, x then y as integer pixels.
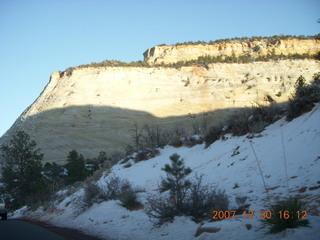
{"type": "Point", "coordinates": [171, 54]}
{"type": "Point", "coordinates": [94, 108]}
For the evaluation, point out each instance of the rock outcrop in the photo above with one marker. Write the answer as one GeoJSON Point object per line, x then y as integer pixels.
{"type": "Point", "coordinates": [170, 54]}
{"type": "Point", "coordinates": [93, 109]}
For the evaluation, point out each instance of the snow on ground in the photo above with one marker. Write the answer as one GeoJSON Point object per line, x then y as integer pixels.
{"type": "Point", "coordinates": [225, 164]}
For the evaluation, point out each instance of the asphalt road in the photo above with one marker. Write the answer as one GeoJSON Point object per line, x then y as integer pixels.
{"type": "Point", "coordinates": [13, 229]}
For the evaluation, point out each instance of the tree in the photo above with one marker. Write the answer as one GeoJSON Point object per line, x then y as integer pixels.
{"type": "Point", "coordinates": [102, 158]}
{"type": "Point", "coordinates": [137, 136]}
{"type": "Point", "coordinates": [316, 78]}
{"type": "Point", "coordinates": [22, 171]}
{"type": "Point", "coordinates": [176, 181]}
{"type": "Point", "coordinates": [76, 167]}
{"type": "Point", "coordinates": [300, 86]}
{"type": "Point", "coordinates": [54, 175]}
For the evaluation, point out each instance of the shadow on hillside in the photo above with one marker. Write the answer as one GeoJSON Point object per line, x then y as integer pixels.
{"type": "Point", "coordinates": [91, 129]}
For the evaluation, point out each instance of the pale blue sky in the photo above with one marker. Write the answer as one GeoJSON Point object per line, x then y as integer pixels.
{"type": "Point", "coordinates": [38, 37]}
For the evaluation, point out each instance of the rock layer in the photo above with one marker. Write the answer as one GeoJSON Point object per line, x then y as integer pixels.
{"type": "Point", "coordinates": [171, 54]}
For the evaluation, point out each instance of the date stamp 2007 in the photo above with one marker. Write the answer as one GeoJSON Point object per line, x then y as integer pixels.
{"type": "Point", "coordinates": [219, 215]}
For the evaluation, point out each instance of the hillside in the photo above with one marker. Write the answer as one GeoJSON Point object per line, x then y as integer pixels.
{"type": "Point", "coordinates": [92, 109]}
{"type": "Point", "coordinates": [227, 163]}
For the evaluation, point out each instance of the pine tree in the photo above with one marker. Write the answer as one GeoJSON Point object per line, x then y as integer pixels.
{"type": "Point", "coordinates": [76, 167]}
{"type": "Point", "coordinates": [300, 87]}
{"type": "Point", "coordinates": [176, 181]}
{"type": "Point", "coordinates": [22, 171]}
{"type": "Point", "coordinates": [54, 175]}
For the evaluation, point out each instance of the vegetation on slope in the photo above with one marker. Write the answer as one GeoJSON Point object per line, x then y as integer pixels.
{"type": "Point", "coordinates": [273, 39]}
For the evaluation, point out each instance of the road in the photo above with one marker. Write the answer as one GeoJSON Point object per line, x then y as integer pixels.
{"type": "Point", "coordinates": [13, 229]}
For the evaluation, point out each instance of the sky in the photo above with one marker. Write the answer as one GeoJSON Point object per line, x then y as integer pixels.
{"type": "Point", "coordinates": [39, 37]}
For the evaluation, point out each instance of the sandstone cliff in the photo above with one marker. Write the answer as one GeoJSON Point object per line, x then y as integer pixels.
{"type": "Point", "coordinates": [92, 109]}
{"type": "Point", "coordinates": [171, 54]}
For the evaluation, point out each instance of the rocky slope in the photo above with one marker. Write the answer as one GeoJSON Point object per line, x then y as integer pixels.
{"type": "Point", "coordinates": [93, 109]}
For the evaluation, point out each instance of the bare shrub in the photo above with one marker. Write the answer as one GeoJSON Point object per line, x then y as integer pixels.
{"type": "Point", "coordinates": [299, 106]}
{"type": "Point", "coordinates": [136, 136]}
{"type": "Point", "coordinates": [176, 141]}
{"type": "Point", "coordinates": [115, 157]}
{"type": "Point", "coordinates": [238, 124]}
{"type": "Point", "coordinates": [191, 141]}
{"type": "Point", "coordinates": [199, 127]}
{"type": "Point", "coordinates": [213, 135]}
{"type": "Point", "coordinates": [241, 204]}
{"type": "Point", "coordinates": [160, 210]}
{"type": "Point", "coordinates": [202, 200]}
{"type": "Point", "coordinates": [257, 127]}
{"type": "Point", "coordinates": [153, 136]}
{"type": "Point", "coordinates": [146, 154]}
{"type": "Point", "coordinates": [96, 175]}
{"type": "Point", "coordinates": [115, 187]}
{"type": "Point", "coordinates": [92, 194]}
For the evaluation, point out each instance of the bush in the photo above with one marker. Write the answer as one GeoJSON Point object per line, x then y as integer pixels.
{"type": "Point", "coordinates": [160, 210]}
{"type": "Point", "coordinates": [192, 141]}
{"type": "Point", "coordinates": [130, 201]}
{"type": "Point", "coordinates": [202, 200]}
{"type": "Point", "coordinates": [252, 120]}
{"type": "Point", "coordinates": [299, 106]}
{"type": "Point", "coordinates": [146, 154]}
{"type": "Point", "coordinates": [238, 124]}
{"type": "Point", "coordinates": [242, 205]}
{"type": "Point", "coordinates": [92, 194]}
{"type": "Point", "coordinates": [176, 141]}
{"type": "Point", "coordinates": [284, 215]}
{"type": "Point", "coordinates": [213, 135]}
{"type": "Point", "coordinates": [115, 187]}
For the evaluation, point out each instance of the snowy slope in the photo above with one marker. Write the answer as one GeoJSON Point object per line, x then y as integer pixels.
{"type": "Point", "coordinates": [225, 164]}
